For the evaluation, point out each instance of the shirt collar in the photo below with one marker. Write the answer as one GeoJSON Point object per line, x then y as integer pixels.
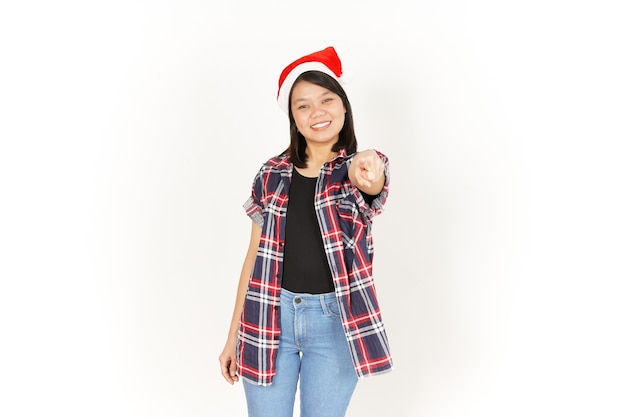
{"type": "Point", "coordinates": [284, 161]}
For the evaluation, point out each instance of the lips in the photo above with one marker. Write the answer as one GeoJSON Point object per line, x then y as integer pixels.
{"type": "Point", "coordinates": [321, 125]}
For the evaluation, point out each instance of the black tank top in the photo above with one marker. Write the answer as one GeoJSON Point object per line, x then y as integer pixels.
{"type": "Point", "coordinates": [305, 266]}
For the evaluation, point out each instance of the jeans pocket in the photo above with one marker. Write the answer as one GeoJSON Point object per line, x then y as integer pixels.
{"type": "Point", "coordinates": [332, 309]}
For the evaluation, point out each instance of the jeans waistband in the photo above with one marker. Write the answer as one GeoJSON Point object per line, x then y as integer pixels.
{"type": "Point", "coordinates": [321, 300]}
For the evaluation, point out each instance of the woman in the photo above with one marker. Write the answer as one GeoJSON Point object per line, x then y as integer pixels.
{"type": "Point", "coordinates": [306, 307]}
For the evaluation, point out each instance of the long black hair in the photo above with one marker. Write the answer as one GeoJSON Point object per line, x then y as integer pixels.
{"type": "Point", "coordinates": [347, 138]}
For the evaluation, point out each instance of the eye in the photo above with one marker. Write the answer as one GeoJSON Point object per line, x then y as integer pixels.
{"type": "Point", "coordinates": [304, 106]}
{"type": "Point", "coordinates": [327, 100]}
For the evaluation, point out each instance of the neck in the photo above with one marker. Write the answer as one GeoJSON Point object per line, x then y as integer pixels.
{"type": "Point", "coordinates": [318, 155]}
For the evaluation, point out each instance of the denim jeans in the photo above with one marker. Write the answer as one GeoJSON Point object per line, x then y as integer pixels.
{"type": "Point", "coordinates": [313, 349]}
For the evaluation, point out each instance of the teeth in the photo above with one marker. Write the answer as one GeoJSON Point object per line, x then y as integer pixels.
{"type": "Point", "coordinates": [317, 126]}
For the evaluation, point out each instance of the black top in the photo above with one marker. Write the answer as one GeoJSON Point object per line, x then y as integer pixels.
{"type": "Point", "coordinates": [305, 266]}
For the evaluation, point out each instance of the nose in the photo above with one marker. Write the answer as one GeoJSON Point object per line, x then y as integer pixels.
{"type": "Point", "coordinates": [317, 111]}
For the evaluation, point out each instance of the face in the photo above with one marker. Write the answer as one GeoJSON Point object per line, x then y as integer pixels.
{"type": "Point", "coordinates": [318, 112]}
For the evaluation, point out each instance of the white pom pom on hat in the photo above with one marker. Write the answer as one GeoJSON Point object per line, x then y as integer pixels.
{"type": "Point", "coordinates": [326, 61]}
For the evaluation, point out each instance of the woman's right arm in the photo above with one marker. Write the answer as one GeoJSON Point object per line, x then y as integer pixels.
{"type": "Point", "coordinates": [228, 357]}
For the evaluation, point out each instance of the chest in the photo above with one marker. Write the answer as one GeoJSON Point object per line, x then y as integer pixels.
{"type": "Point", "coordinates": [327, 189]}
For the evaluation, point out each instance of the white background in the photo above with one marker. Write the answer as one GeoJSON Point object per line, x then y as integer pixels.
{"type": "Point", "coordinates": [130, 133]}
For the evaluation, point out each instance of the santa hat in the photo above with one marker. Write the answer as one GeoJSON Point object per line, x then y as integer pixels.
{"type": "Point", "coordinates": [326, 61]}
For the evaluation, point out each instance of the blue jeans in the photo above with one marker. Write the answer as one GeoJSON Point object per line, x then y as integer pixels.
{"type": "Point", "coordinates": [313, 348]}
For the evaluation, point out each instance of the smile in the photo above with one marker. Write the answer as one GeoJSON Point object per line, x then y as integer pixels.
{"type": "Point", "coordinates": [320, 125]}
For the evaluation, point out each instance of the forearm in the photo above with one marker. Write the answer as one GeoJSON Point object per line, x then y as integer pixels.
{"type": "Point", "coordinates": [241, 295]}
{"type": "Point", "coordinates": [244, 278]}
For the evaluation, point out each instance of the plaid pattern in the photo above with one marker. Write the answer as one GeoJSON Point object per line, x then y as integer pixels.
{"type": "Point", "coordinates": [345, 221]}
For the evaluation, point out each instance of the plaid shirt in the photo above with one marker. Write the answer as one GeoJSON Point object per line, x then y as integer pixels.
{"type": "Point", "coordinates": [345, 221]}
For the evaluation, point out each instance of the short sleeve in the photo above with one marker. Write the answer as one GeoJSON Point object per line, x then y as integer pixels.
{"type": "Point", "coordinates": [253, 205]}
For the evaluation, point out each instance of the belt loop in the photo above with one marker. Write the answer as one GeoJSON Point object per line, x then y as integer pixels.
{"type": "Point", "coordinates": [324, 304]}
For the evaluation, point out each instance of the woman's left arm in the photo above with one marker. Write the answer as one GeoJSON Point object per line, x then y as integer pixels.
{"type": "Point", "coordinates": [367, 172]}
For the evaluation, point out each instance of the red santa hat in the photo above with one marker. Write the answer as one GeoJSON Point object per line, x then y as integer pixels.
{"type": "Point", "coordinates": [326, 61]}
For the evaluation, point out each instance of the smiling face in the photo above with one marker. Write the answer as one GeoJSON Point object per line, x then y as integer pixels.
{"type": "Point", "coordinates": [318, 113]}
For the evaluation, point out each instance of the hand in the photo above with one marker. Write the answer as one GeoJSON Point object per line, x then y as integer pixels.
{"type": "Point", "coordinates": [368, 169]}
{"type": "Point", "coordinates": [228, 363]}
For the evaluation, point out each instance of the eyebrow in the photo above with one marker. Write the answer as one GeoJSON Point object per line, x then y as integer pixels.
{"type": "Point", "coordinates": [306, 98]}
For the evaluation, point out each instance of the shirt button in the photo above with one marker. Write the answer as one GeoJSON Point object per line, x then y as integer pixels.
{"type": "Point", "coordinates": [298, 300]}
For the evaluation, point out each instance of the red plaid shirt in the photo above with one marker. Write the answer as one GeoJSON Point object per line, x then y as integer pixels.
{"type": "Point", "coordinates": [345, 221]}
